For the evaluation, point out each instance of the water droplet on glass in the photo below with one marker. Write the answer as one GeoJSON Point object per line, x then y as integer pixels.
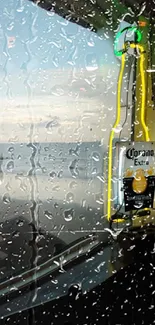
{"type": "Point", "coordinates": [60, 174]}
{"type": "Point", "coordinates": [68, 214]}
{"type": "Point", "coordinates": [95, 156]}
{"type": "Point", "coordinates": [98, 269]}
{"type": "Point", "coordinates": [11, 149]}
{"type": "Point", "coordinates": [73, 168]}
{"type": "Point", "coordinates": [56, 205]}
{"type": "Point", "coordinates": [6, 198]}
{"type": "Point", "coordinates": [114, 233]}
{"type": "Point", "coordinates": [13, 288]}
{"type": "Point", "coordinates": [94, 171]}
{"type": "Point", "coordinates": [20, 9]}
{"type": "Point", "coordinates": [101, 178]}
{"type": "Point", "coordinates": [49, 200]}
{"type": "Point", "coordinates": [10, 26]}
{"type": "Point", "coordinates": [53, 174]}
{"type": "Point", "coordinates": [50, 13]}
{"type": "Point", "coordinates": [118, 129]}
{"type": "Point", "coordinates": [82, 217]}
{"type": "Point", "coordinates": [15, 234]}
{"type": "Point", "coordinates": [138, 205]}
{"type": "Point", "coordinates": [52, 124]}
{"type": "Point", "coordinates": [8, 187]}
{"type": "Point", "coordinates": [10, 166]}
{"type": "Point", "coordinates": [56, 188]}
{"type": "Point", "coordinates": [48, 215]}
{"type": "Point", "coordinates": [20, 223]}
{"type": "Point", "coordinates": [106, 36]}
{"type": "Point", "coordinates": [90, 43]}
{"type": "Point", "coordinates": [55, 281]}
{"type": "Point", "coordinates": [131, 248]}
{"type": "Point", "coordinates": [83, 203]}
{"type": "Point", "coordinates": [91, 62]}
{"type": "Point", "coordinates": [73, 185]}
{"type": "Point", "coordinates": [23, 187]}
{"type": "Point", "coordinates": [140, 134]}
{"type": "Point", "coordinates": [1, 177]}
{"type": "Point", "coordinates": [69, 197]}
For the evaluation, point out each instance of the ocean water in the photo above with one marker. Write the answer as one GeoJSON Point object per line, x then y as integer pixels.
{"type": "Point", "coordinates": [79, 160]}
{"type": "Point", "coordinates": [63, 179]}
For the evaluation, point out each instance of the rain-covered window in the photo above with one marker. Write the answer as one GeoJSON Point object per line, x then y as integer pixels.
{"type": "Point", "coordinates": [62, 83]}
{"type": "Point", "coordinates": [58, 89]}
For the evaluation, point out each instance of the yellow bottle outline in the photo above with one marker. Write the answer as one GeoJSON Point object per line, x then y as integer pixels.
{"type": "Point", "coordinates": [117, 121]}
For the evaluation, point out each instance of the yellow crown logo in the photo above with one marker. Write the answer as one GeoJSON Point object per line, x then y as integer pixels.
{"type": "Point", "coordinates": [139, 183]}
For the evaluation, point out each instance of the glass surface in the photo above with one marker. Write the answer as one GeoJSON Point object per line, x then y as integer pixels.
{"type": "Point", "coordinates": [58, 94]}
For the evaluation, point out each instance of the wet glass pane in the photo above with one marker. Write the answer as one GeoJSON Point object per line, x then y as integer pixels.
{"type": "Point", "coordinates": [56, 81]}
{"type": "Point", "coordinates": [60, 73]}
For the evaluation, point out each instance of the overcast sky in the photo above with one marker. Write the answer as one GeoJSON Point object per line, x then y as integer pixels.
{"type": "Point", "coordinates": [53, 70]}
